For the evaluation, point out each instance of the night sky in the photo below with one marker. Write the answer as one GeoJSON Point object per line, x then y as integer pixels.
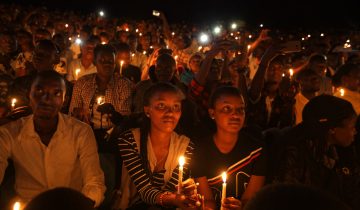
{"type": "Point", "coordinates": [277, 13]}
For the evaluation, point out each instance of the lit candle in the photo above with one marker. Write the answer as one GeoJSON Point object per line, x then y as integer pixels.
{"type": "Point", "coordinates": [144, 52]}
{"type": "Point", "coordinates": [200, 48]}
{"type": "Point", "coordinates": [173, 33]}
{"type": "Point", "coordinates": [13, 103]}
{"type": "Point", "coordinates": [66, 25]}
{"type": "Point", "coordinates": [133, 54]}
{"type": "Point", "coordinates": [126, 29]}
{"type": "Point", "coordinates": [100, 100]}
{"type": "Point", "coordinates": [136, 30]}
{"type": "Point", "coordinates": [223, 193]}
{"type": "Point", "coordinates": [181, 171]}
{"type": "Point", "coordinates": [103, 43]}
{"type": "Point", "coordinates": [291, 73]}
{"type": "Point", "coordinates": [250, 36]}
{"type": "Point", "coordinates": [17, 205]}
{"type": "Point", "coordinates": [140, 34]}
{"type": "Point", "coordinates": [121, 66]}
{"type": "Point", "coordinates": [77, 72]}
{"type": "Point", "coordinates": [342, 92]}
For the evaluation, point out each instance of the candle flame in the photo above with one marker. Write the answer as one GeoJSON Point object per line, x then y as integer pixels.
{"type": "Point", "coordinates": [291, 72]}
{"type": "Point", "coordinates": [181, 161]}
{"type": "Point", "coordinates": [224, 176]}
{"type": "Point", "coordinates": [13, 101]}
{"type": "Point", "coordinates": [16, 206]}
{"type": "Point", "coordinates": [121, 62]}
{"type": "Point", "coordinates": [248, 47]}
{"type": "Point", "coordinates": [100, 100]}
{"type": "Point", "coordinates": [342, 92]}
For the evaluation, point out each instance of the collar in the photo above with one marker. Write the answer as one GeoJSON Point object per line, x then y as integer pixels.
{"type": "Point", "coordinates": [28, 129]}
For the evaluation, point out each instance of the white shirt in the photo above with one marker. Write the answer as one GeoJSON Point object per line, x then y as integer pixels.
{"type": "Point", "coordinates": [76, 64]}
{"type": "Point", "coordinates": [352, 96]}
{"type": "Point", "coordinates": [300, 103]}
{"type": "Point", "coordinates": [70, 160]}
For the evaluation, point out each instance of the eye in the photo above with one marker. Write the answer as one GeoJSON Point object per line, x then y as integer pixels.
{"type": "Point", "coordinates": [226, 109]}
{"type": "Point", "coordinates": [58, 93]}
{"type": "Point", "coordinates": [160, 106]}
{"type": "Point", "coordinates": [177, 108]}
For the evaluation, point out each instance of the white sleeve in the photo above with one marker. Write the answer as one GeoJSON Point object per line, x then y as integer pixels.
{"type": "Point", "coordinates": [93, 176]}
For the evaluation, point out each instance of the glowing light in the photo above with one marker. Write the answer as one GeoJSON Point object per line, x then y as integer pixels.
{"type": "Point", "coordinates": [103, 43]}
{"type": "Point", "coordinates": [17, 206]}
{"type": "Point", "coordinates": [322, 34]}
{"type": "Point", "coordinates": [173, 33]}
{"type": "Point", "coordinates": [291, 72]}
{"type": "Point", "coordinates": [70, 38]}
{"type": "Point", "coordinates": [77, 72]}
{"type": "Point", "coordinates": [261, 25]}
{"type": "Point", "coordinates": [233, 26]}
{"type": "Point", "coordinates": [204, 38]}
{"type": "Point", "coordinates": [224, 176]}
{"type": "Point", "coordinates": [309, 35]}
{"type": "Point", "coordinates": [342, 92]}
{"type": "Point", "coordinates": [144, 52]}
{"type": "Point", "coordinates": [66, 25]}
{"type": "Point", "coordinates": [100, 100]}
{"type": "Point", "coordinates": [181, 161]}
{"type": "Point", "coordinates": [217, 30]}
{"type": "Point", "coordinates": [136, 30]}
{"type": "Point", "coordinates": [102, 13]}
{"type": "Point", "coordinates": [126, 29]}
{"type": "Point", "coordinates": [303, 39]}
{"type": "Point", "coordinates": [348, 41]}
{"type": "Point", "coordinates": [250, 36]}
{"type": "Point", "coordinates": [78, 41]}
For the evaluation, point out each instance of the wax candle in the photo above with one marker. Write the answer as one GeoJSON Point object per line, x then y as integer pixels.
{"type": "Point", "coordinates": [100, 100]}
{"type": "Point", "coordinates": [223, 193]}
{"type": "Point", "coordinates": [121, 66]}
{"type": "Point", "coordinates": [181, 171]}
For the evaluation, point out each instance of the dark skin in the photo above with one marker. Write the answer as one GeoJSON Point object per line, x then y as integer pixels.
{"type": "Point", "coordinates": [46, 99]}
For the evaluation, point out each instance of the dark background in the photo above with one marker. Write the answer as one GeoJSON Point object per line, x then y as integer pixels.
{"type": "Point", "coordinates": [276, 13]}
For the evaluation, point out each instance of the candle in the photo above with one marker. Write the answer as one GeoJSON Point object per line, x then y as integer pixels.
{"type": "Point", "coordinates": [17, 205]}
{"type": "Point", "coordinates": [66, 25]}
{"type": "Point", "coordinates": [136, 30]}
{"type": "Point", "coordinates": [144, 52]}
{"type": "Point", "coordinates": [77, 72]}
{"type": "Point", "coordinates": [121, 66]}
{"type": "Point", "coordinates": [291, 73]}
{"type": "Point", "coordinates": [13, 103]}
{"type": "Point", "coordinates": [181, 171]}
{"type": "Point", "coordinates": [100, 100]}
{"type": "Point", "coordinates": [342, 92]}
{"type": "Point", "coordinates": [173, 33]}
{"type": "Point", "coordinates": [223, 193]}
{"type": "Point", "coordinates": [103, 43]}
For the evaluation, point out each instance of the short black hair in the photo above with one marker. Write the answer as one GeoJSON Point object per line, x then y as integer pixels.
{"type": "Point", "coordinates": [103, 48]}
{"type": "Point", "coordinates": [223, 91]}
{"type": "Point", "coordinates": [60, 199]}
{"type": "Point", "coordinates": [49, 74]}
{"type": "Point", "coordinates": [122, 47]}
{"type": "Point", "coordinates": [161, 87]}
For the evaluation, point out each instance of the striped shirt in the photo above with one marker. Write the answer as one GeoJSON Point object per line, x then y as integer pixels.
{"type": "Point", "coordinates": [118, 92]}
{"type": "Point", "coordinates": [150, 186]}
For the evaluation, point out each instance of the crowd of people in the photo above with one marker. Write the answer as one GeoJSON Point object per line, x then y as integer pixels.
{"type": "Point", "coordinates": [96, 112]}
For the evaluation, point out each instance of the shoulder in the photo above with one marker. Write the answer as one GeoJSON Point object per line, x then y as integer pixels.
{"type": "Point", "coordinates": [13, 128]}
{"type": "Point", "coordinates": [248, 141]}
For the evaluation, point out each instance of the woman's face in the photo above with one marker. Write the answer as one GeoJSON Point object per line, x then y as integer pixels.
{"type": "Point", "coordinates": [164, 111]}
{"type": "Point", "coordinates": [344, 135]}
{"type": "Point", "coordinates": [229, 113]}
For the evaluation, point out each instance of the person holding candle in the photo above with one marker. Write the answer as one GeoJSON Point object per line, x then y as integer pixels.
{"type": "Point", "coordinates": [150, 154]}
{"type": "Point", "coordinates": [229, 148]}
{"type": "Point", "coordinates": [50, 149]}
{"type": "Point", "coordinates": [85, 65]}
{"type": "Point", "coordinates": [123, 65]}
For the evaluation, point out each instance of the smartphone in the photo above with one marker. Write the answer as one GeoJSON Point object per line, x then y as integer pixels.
{"type": "Point", "coordinates": [291, 47]}
{"type": "Point", "coordinates": [156, 13]}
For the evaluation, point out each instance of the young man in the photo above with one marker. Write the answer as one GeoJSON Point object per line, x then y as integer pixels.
{"type": "Point", "coordinates": [50, 149]}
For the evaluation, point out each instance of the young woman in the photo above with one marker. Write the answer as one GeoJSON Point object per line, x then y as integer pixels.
{"type": "Point", "coordinates": [151, 154]}
{"type": "Point", "coordinates": [231, 150]}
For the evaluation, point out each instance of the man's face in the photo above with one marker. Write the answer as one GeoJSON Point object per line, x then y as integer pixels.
{"type": "Point", "coordinates": [44, 59]}
{"type": "Point", "coordinates": [164, 71]}
{"type": "Point", "coordinates": [274, 73]}
{"type": "Point", "coordinates": [319, 67]}
{"type": "Point", "coordinates": [7, 44]}
{"type": "Point", "coordinates": [311, 83]}
{"type": "Point", "coordinates": [105, 63]}
{"type": "Point", "coordinates": [88, 51]}
{"type": "Point", "coordinates": [47, 97]}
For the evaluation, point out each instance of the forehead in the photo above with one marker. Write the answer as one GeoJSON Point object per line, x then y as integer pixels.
{"type": "Point", "coordinates": [166, 96]}
{"type": "Point", "coordinates": [230, 99]}
{"type": "Point", "coordinates": [52, 83]}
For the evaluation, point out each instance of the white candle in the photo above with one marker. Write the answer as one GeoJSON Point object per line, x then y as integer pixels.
{"type": "Point", "coordinates": [181, 171]}
{"type": "Point", "coordinates": [223, 193]}
{"type": "Point", "coordinates": [248, 47]}
{"type": "Point", "coordinates": [77, 72]}
{"type": "Point", "coordinates": [17, 205]}
{"type": "Point", "coordinates": [121, 66]}
{"type": "Point", "coordinates": [13, 103]}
